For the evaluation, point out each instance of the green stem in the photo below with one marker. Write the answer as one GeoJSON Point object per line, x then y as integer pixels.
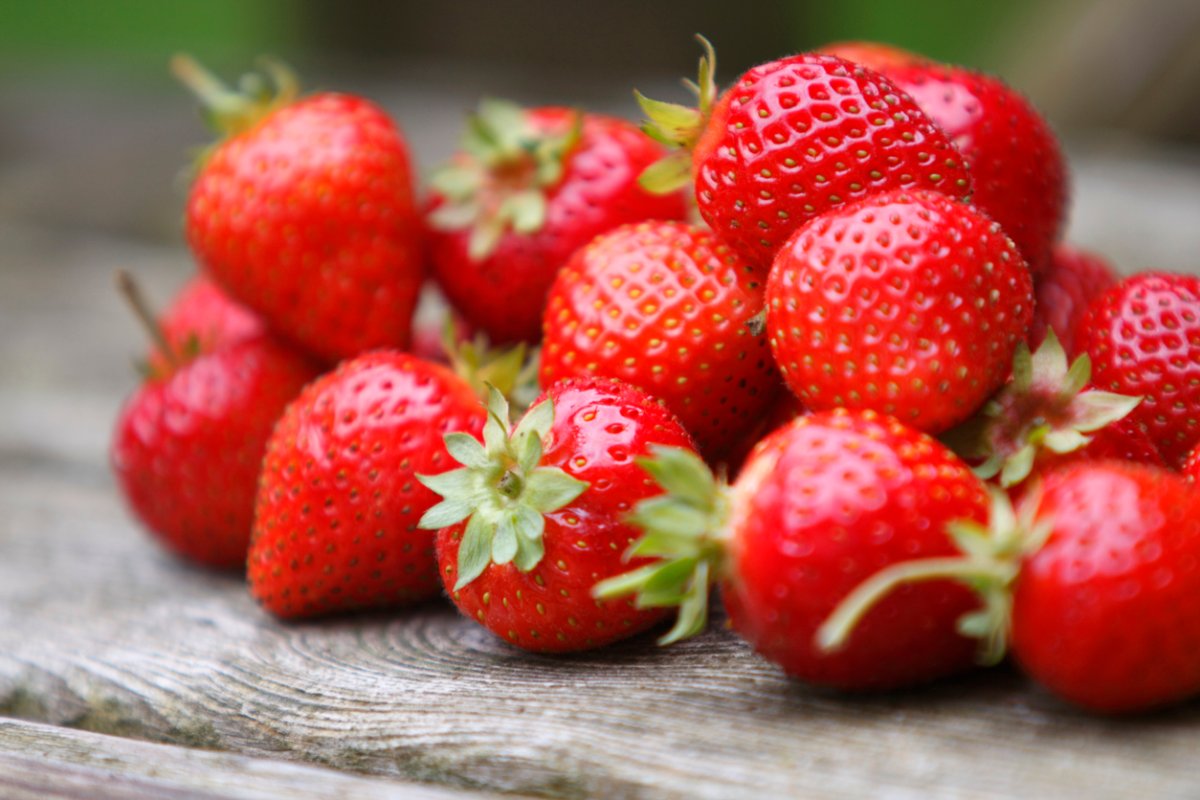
{"type": "Point", "coordinates": [834, 632]}
{"type": "Point", "coordinates": [211, 91]}
{"type": "Point", "coordinates": [132, 293]}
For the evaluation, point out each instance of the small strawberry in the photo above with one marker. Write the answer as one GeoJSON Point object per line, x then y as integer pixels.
{"type": "Point", "coordinates": [189, 441]}
{"type": "Point", "coordinates": [1096, 584]}
{"type": "Point", "coordinates": [1143, 337]}
{"type": "Point", "coordinates": [200, 319]}
{"type": "Point", "coordinates": [792, 139]}
{"type": "Point", "coordinates": [1073, 279]}
{"type": "Point", "coordinates": [909, 303]}
{"type": "Point", "coordinates": [305, 213]}
{"type": "Point", "coordinates": [537, 515]}
{"type": "Point", "coordinates": [529, 187]}
{"type": "Point", "coordinates": [335, 525]}
{"type": "Point", "coordinates": [1017, 167]}
{"type": "Point", "coordinates": [669, 308]}
{"type": "Point", "coordinates": [822, 504]}
{"type": "Point", "coordinates": [1191, 465]}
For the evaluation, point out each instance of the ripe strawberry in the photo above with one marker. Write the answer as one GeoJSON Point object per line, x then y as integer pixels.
{"type": "Point", "coordinates": [792, 139]}
{"type": "Point", "coordinates": [1143, 337]}
{"type": "Point", "coordinates": [1017, 168]}
{"type": "Point", "coordinates": [305, 213]}
{"type": "Point", "coordinates": [1191, 465]}
{"type": "Point", "coordinates": [535, 517]}
{"type": "Point", "coordinates": [908, 303]}
{"type": "Point", "coordinates": [335, 525]}
{"type": "Point", "coordinates": [529, 188]}
{"type": "Point", "coordinates": [822, 503]}
{"type": "Point", "coordinates": [189, 441]}
{"type": "Point", "coordinates": [1096, 584]}
{"type": "Point", "coordinates": [1073, 279]}
{"type": "Point", "coordinates": [201, 319]}
{"type": "Point", "coordinates": [669, 308]}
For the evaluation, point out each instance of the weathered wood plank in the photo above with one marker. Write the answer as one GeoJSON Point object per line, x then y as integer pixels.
{"type": "Point", "coordinates": [40, 762]}
{"type": "Point", "coordinates": [102, 632]}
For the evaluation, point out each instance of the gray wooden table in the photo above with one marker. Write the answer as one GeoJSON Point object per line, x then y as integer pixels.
{"type": "Point", "coordinates": [124, 673]}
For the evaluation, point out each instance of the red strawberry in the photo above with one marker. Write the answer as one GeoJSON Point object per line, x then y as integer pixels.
{"type": "Point", "coordinates": [1017, 167]}
{"type": "Point", "coordinates": [908, 303]}
{"type": "Point", "coordinates": [1096, 584]}
{"type": "Point", "coordinates": [822, 504]}
{"type": "Point", "coordinates": [1143, 337]}
{"type": "Point", "coordinates": [1107, 613]}
{"type": "Point", "coordinates": [335, 524]}
{"type": "Point", "coordinates": [189, 441]}
{"type": "Point", "coordinates": [200, 319]}
{"type": "Point", "coordinates": [529, 188]}
{"type": "Point", "coordinates": [535, 517]}
{"type": "Point", "coordinates": [1191, 465]}
{"type": "Point", "coordinates": [794, 138]}
{"type": "Point", "coordinates": [1073, 280]}
{"type": "Point", "coordinates": [305, 213]}
{"type": "Point", "coordinates": [667, 307]}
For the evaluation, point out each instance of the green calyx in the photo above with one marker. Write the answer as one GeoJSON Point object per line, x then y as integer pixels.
{"type": "Point", "coordinates": [1045, 408]}
{"type": "Point", "coordinates": [513, 371]}
{"type": "Point", "coordinates": [232, 111]}
{"type": "Point", "coordinates": [678, 127]}
{"type": "Point", "coordinates": [500, 179]}
{"type": "Point", "coordinates": [501, 490]}
{"type": "Point", "coordinates": [685, 531]}
{"type": "Point", "coordinates": [989, 564]}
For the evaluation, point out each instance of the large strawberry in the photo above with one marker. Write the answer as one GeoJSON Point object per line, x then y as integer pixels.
{"type": "Point", "coordinates": [336, 516]}
{"type": "Point", "coordinates": [189, 441]}
{"type": "Point", "coordinates": [1143, 337]}
{"type": "Point", "coordinates": [305, 213]}
{"type": "Point", "coordinates": [792, 139]}
{"type": "Point", "coordinates": [1074, 278]}
{"type": "Point", "coordinates": [1096, 584]}
{"type": "Point", "coordinates": [909, 303]}
{"type": "Point", "coordinates": [667, 307]}
{"type": "Point", "coordinates": [1017, 168]}
{"type": "Point", "coordinates": [537, 513]}
{"type": "Point", "coordinates": [529, 187]}
{"type": "Point", "coordinates": [821, 504]}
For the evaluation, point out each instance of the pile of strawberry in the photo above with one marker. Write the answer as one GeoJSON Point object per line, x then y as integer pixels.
{"type": "Point", "coordinates": [878, 265]}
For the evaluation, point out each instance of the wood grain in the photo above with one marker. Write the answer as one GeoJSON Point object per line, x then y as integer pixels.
{"type": "Point", "coordinates": [40, 762]}
{"type": "Point", "coordinates": [102, 632]}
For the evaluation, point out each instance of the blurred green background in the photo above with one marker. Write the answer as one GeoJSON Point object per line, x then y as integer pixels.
{"type": "Point", "coordinates": [92, 129]}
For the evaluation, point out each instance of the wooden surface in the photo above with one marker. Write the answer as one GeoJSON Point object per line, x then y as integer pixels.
{"type": "Point", "coordinates": [102, 635]}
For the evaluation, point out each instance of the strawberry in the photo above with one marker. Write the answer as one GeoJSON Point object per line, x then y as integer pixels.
{"type": "Point", "coordinates": [529, 187]}
{"type": "Point", "coordinates": [305, 213]}
{"type": "Point", "coordinates": [1017, 167]}
{"type": "Point", "coordinates": [669, 308]}
{"type": "Point", "coordinates": [1095, 583]}
{"type": "Point", "coordinates": [1191, 465]}
{"type": "Point", "coordinates": [537, 515]}
{"type": "Point", "coordinates": [189, 442]}
{"type": "Point", "coordinates": [821, 504]}
{"type": "Point", "coordinates": [907, 302]}
{"type": "Point", "coordinates": [335, 525]}
{"type": "Point", "coordinates": [202, 318]}
{"type": "Point", "coordinates": [1074, 278]}
{"type": "Point", "coordinates": [792, 139]}
{"type": "Point", "coordinates": [1143, 337]}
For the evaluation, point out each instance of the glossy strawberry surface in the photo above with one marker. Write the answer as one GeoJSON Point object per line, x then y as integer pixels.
{"type": "Point", "coordinates": [1074, 278]}
{"type": "Point", "coordinates": [798, 136]}
{"type": "Point", "coordinates": [1017, 167]}
{"type": "Point", "coordinates": [600, 428]}
{"type": "Point", "coordinates": [1107, 613]}
{"type": "Point", "coordinates": [1143, 337]}
{"type": "Point", "coordinates": [911, 304]}
{"type": "Point", "coordinates": [189, 443]}
{"type": "Point", "coordinates": [203, 318]}
{"type": "Point", "coordinates": [308, 218]}
{"type": "Point", "coordinates": [337, 507]}
{"type": "Point", "coordinates": [504, 293]}
{"type": "Point", "coordinates": [823, 504]}
{"type": "Point", "coordinates": [667, 307]}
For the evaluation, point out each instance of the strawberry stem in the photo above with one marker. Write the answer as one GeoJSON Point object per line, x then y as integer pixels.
{"type": "Point", "coordinates": [128, 288]}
